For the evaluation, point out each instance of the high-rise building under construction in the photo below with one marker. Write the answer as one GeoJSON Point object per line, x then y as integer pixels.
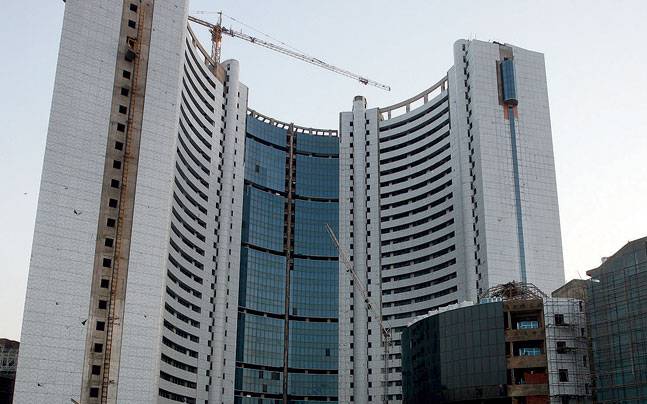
{"type": "Point", "coordinates": [180, 251]}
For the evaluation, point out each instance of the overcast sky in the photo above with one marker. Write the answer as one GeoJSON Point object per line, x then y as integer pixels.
{"type": "Point", "coordinates": [597, 84]}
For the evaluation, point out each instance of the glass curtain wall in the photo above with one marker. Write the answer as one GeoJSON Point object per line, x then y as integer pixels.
{"type": "Point", "coordinates": [617, 315]}
{"type": "Point", "coordinates": [456, 356]}
{"type": "Point", "coordinates": [287, 316]}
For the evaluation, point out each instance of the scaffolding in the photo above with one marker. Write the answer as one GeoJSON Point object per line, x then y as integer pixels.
{"type": "Point", "coordinates": [617, 317]}
{"type": "Point", "coordinates": [512, 291]}
{"type": "Point", "coordinates": [567, 351]}
{"type": "Point", "coordinates": [564, 338]}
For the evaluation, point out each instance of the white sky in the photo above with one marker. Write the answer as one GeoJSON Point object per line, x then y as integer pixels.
{"type": "Point", "coordinates": [597, 81]}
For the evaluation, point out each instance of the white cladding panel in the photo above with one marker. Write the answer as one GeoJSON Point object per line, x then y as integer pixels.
{"type": "Point", "coordinates": [408, 213]}
{"type": "Point", "coordinates": [475, 227]}
{"type": "Point", "coordinates": [53, 336]}
{"type": "Point", "coordinates": [142, 323]}
{"type": "Point", "coordinates": [572, 355]}
{"type": "Point", "coordinates": [495, 190]}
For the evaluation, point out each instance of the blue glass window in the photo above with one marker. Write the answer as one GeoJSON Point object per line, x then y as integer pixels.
{"type": "Point", "coordinates": [314, 282]}
{"type": "Point", "coordinates": [317, 177]}
{"type": "Point", "coordinates": [260, 381]}
{"type": "Point", "coordinates": [533, 351]}
{"type": "Point", "coordinates": [313, 288]}
{"type": "Point", "coordinates": [264, 165]}
{"type": "Point", "coordinates": [312, 385]}
{"type": "Point", "coordinates": [262, 281]}
{"type": "Point", "coordinates": [259, 340]}
{"type": "Point", "coordinates": [509, 86]}
{"type": "Point", "coordinates": [523, 325]}
{"type": "Point", "coordinates": [266, 132]}
{"type": "Point", "coordinates": [317, 144]}
{"type": "Point", "coordinates": [310, 235]}
{"type": "Point", "coordinates": [313, 345]}
{"type": "Point", "coordinates": [263, 219]}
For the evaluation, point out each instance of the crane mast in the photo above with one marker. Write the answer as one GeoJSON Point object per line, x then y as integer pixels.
{"type": "Point", "coordinates": [217, 31]}
{"type": "Point", "coordinates": [216, 39]}
{"type": "Point", "coordinates": [385, 330]}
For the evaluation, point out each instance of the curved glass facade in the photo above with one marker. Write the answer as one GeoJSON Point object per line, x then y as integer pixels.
{"type": "Point", "coordinates": [214, 218]}
{"type": "Point", "coordinates": [617, 315]}
{"type": "Point", "coordinates": [187, 312]}
{"type": "Point", "coordinates": [456, 356]}
{"type": "Point", "coordinates": [399, 199]}
{"type": "Point", "coordinates": [200, 292]}
{"type": "Point", "coordinates": [417, 219]}
{"type": "Point", "coordinates": [287, 339]}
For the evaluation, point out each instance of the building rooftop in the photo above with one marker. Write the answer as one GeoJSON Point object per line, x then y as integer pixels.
{"type": "Point", "coordinates": [631, 245]}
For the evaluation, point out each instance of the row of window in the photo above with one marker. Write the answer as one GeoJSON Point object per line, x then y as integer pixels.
{"type": "Point", "coordinates": [412, 153]}
{"type": "Point", "coordinates": [429, 169]}
{"type": "Point", "coordinates": [113, 194]}
{"type": "Point", "coordinates": [386, 125]}
{"type": "Point", "coordinates": [420, 299]}
{"type": "Point", "coordinates": [420, 247]}
{"type": "Point", "coordinates": [415, 163]}
{"type": "Point", "coordinates": [413, 225]}
{"type": "Point", "coordinates": [414, 187]}
{"type": "Point", "coordinates": [205, 75]}
{"type": "Point", "coordinates": [191, 152]}
{"type": "Point", "coordinates": [419, 286]}
{"type": "Point", "coordinates": [417, 198]}
{"type": "Point", "coordinates": [313, 282]}
{"type": "Point", "coordinates": [420, 259]}
{"type": "Point", "coordinates": [416, 139]}
{"type": "Point", "coordinates": [387, 227]}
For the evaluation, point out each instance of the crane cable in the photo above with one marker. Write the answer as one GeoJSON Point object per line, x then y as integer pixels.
{"type": "Point", "coordinates": [264, 34]}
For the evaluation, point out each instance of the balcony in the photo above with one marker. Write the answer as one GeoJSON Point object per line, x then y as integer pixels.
{"type": "Point", "coordinates": [521, 390]}
{"type": "Point", "coordinates": [517, 362]}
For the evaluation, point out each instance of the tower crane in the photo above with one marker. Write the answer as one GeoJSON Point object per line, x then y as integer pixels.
{"type": "Point", "coordinates": [385, 330]}
{"type": "Point", "coordinates": [217, 30]}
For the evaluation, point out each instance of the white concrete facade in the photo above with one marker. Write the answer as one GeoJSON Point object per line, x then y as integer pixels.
{"type": "Point", "coordinates": [475, 80]}
{"type": "Point", "coordinates": [181, 299]}
{"type": "Point", "coordinates": [446, 205]}
{"type": "Point", "coordinates": [567, 351]}
{"type": "Point", "coordinates": [50, 363]}
{"type": "Point", "coordinates": [139, 365]}
{"type": "Point", "coordinates": [427, 204]}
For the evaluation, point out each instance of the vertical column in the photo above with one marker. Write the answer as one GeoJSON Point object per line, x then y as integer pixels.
{"type": "Point", "coordinates": [346, 334]}
{"type": "Point", "coordinates": [509, 97]}
{"type": "Point", "coordinates": [288, 248]}
{"type": "Point", "coordinates": [359, 235]}
{"type": "Point", "coordinates": [377, 350]}
{"type": "Point", "coordinates": [103, 342]}
{"type": "Point", "coordinates": [359, 252]}
{"type": "Point", "coordinates": [225, 299]}
{"type": "Point", "coordinates": [55, 326]}
{"type": "Point", "coordinates": [462, 135]}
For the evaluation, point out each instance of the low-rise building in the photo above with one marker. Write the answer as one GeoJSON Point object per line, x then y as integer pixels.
{"type": "Point", "coordinates": [516, 346]}
{"type": "Point", "coordinates": [617, 315]}
{"type": "Point", "coordinates": [575, 288]}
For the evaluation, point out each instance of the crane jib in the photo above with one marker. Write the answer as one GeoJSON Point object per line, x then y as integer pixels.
{"type": "Point", "coordinates": [297, 55]}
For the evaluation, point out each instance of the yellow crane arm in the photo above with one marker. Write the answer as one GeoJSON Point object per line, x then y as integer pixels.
{"type": "Point", "coordinates": [217, 30]}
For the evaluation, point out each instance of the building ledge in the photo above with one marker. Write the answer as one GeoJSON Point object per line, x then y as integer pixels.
{"type": "Point", "coordinates": [520, 362]}
{"type": "Point", "coordinates": [521, 390]}
{"type": "Point", "coordinates": [527, 334]}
